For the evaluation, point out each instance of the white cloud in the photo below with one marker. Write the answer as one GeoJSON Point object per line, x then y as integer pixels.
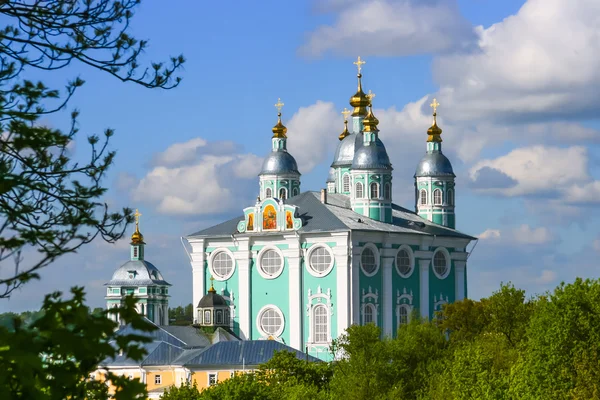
{"type": "Point", "coordinates": [391, 27]}
{"type": "Point", "coordinates": [180, 153]}
{"type": "Point", "coordinates": [490, 234]}
{"type": "Point", "coordinates": [543, 60]}
{"type": "Point", "coordinates": [532, 236]}
{"type": "Point", "coordinates": [547, 276]}
{"type": "Point", "coordinates": [537, 169]}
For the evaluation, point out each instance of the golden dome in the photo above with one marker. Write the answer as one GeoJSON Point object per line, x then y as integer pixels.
{"type": "Point", "coordinates": [360, 101]}
{"type": "Point", "coordinates": [434, 131]}
{"type": "Point", "coordinates": [137, 237]}
{"type": "Point", "coordinates": [345, 132]}
{"type": "Point", "coordinates": [370, 122]}
{"type": "Point", "coordinates": [279, 130]}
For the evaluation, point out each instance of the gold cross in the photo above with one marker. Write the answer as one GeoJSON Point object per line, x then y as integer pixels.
{"type": "Point", "coordinates": [434, 105]}
{"type": "Point", "coordinates": [370, 95]}
{"type": "Point", "coordinates": [279, 105]}
{"type": "Point", "coordinates": [137, 216]}
{"type": "Point", "coordinates": [211, 280]}
{"type": "Point", "coordinates": [359, 63]}
{"type": "Point", "coordinates": [345, 113]}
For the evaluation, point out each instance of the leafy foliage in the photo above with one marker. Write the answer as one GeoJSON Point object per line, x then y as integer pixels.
{"type": "Point", "coordinates": [50, 205]}
{"type": "Point", "coordinates": [53, 357]}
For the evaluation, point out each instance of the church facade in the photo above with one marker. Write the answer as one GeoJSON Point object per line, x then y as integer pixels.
{"type": "Point", "coordinates": [301, 267]}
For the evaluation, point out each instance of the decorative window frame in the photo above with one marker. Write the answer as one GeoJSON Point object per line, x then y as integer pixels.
{"type": "Point", "coordinates": [438, 303]}
{"type": "Point", "coordinates": [231, 301]}
{"type": "Point", "coordinates": [411, 256]}
{"type": "Point", "coordinates": [316, 299]}
{"type": "Point", "coordinates": [344, 177]}
{"type": "Point", "coordinates": [208, 375]}
{"type": "Point", "coordinates": [259, 262]}
{"type": "Point", "coordinates": [377, 259]}
{"type": "Point", "coordinates": [264, 334]}
{"type": "Point", "coordinates": [387, 191]}
{"type": "Point", "coordinates": [450, 197]}
{"type": "Point", "coordinates": [448, 262]}
{"type": "Point", "coordinates": [295, 192]}
{"type": "Point", "coordinates": [268, 193]}
{"type": "Point", "coordinates": [362, 190]}
{"type": "Point", "coordinates": [309, 267]}
{"type": "Point", "coordinates": [285, 193]}
{"type": "Point", "coordinates": [377, 188]}
{"type": "Point", "coordinates": [211, 259]}
{"type": "Point", "coordinates": [438, 203]}
{"type": "Point", "coordinates": [404, 300]}
{"type": "Point", "coordinates": [423, 198]}
{"type": "Point", "coordinates": [158, 379]}
{"type": "Point", "coordinates": [370, 299]}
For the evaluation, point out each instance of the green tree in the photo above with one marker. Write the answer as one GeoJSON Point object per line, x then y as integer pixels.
{"type": "Point", "coordinates": [52, 357]}
{"type": "Point", "coordinates": [48, 203]}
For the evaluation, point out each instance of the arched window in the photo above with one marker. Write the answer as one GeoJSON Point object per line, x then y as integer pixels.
{"type": "Point", "coordinates": [387, 191]}
{"type": "Point", "coordinates": [226, 317]}
{"type": "Point", "coordinates": [374, 190]}
{"type": "Point", "coordinates": [295, 192]}
{"type": "Point", "coordinates": [437, 197]}
{"type": "Point", "coordinates": [282, 194]}
{"type": "Point", "coordinates": [359, 190]}
{"type": "Point", "coordinates": [346, 183]}
{"type": "Point", "coordinates": [423, 197]}
{"type": "Point", "coordinates": [219, 317]}
{"type": "Point", "coordinates": [450, 197]}
{"type": "Point", "coordinates": [207, 317]}
{"type": "Point", "coordinates": [268, 193]}
{"type": "Point", "coordinates": [403, 314]}
{"type": "Point", "coordinates": [320, 323]}
{"type": "Point", "coordinates": [369, 314]}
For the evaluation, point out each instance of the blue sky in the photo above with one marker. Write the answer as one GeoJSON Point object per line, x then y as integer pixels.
{"type": "Point", "coordinates": [517, 82]}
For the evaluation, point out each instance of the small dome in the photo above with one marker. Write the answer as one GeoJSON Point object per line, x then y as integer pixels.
{"type": "Point", "coordinates": [279, 130]}
{"type": "Point", "coordinates": [331, 176]}
{"type": "Point", "coordinates": [344, 153]}
{"type": "Point", "coordinates": [434, 164]}
{"type": "Point", "coordinates": [372, 157]}
{"type": "Point", "coordinates": [279, 162]}
{"type": "Point", "coordinates": [345, 131]}
{"type": "Point", "coordinates": [138, 272]}
{"type": "Point", "coordinates": [212, 299]}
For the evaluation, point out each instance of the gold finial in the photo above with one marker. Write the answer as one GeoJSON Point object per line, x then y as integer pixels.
{"type": "Point", "coordinates": [279, 130]}
{"type": "Point", "coordinates": [279, 105]}
{"type": "Point", "coordinates": [345, 132]}
{"type": "Point", "coordinates": [345, 113]}
{"type": "Point", "coordinates": [370, 122]}
{"type": "Point", "coordinates": [433, 105]}
{"type": "Point", "coordinates": [212, 286]}
{"type": "Point", "coordinates": [359, 63]}
{"type": "Point", "coordinates": [137, 236]}
{"type": "Point", "coordinates": [370, 96]}
{"type": "Point", "coordinates": [434, 131]}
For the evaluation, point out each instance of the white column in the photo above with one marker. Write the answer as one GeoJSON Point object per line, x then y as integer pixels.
{"type": "Point", "coordinates": [342, 308]}
{"type": "Point", "coordinates": [387, 302]}
{"type": "Point", "coordinates": [355, 293]}
{"type": "Point", "coordinates": [459, 277]}
{"type": "Point", "coordinates": [295, 297]}
{"type": "Point", "coordinates": [242, 257]}
{"type": "Point", "coordinates": [166, 322]}
{"type": "Point", "coordinates": [198, 282]}
{"type": "Point", "coordinates": [424, 290]}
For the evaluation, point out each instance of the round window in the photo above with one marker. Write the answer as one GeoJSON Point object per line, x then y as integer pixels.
{"type": "Point", "coordinates": [271, 321]}
{"type": "Point", "coordinates": [403, 263]}
{"type": "Point", "coordinates": [320, 260]}
{"type": "Point", "coordinates": [440, 264]}
{"type": "Point", "coordinates": [367, 261]}
{"type": "Point", "coordinates": [222, 265]}
{"type": "Point", "coordinates": [271, 263]}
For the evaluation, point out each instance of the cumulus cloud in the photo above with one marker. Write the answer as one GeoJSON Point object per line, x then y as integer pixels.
{"type": "Point", "coordinates": [521, 235]}
{"type": "Point", "coordinates": [535, 169]}
{"type": "Point", "coordinates": [391, 28]}
{"type": "Point", "coordinates": [545, 60]}
{"type": "Point", "coordinates": [490, 234]}
{"type": "Point", "coordinates": [489, 178]}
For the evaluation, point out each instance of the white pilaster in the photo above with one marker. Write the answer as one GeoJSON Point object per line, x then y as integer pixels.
{"type": "Point", "coordinates": [242, 257]}
{"type": "Point", "coordinates": [424, 289]}
{"type": "Point", "coordinates": [355, 290]}
{"type": "Point", "coordinates": [459, 276]}
{"type": "Point", "coordinates": [387, 303]}
{"type": "Point", "coordinates": [342, 308]}
{"type": "Point", "coordinates": [295, 298]}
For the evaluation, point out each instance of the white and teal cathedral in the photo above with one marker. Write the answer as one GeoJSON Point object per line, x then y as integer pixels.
{"type": "Point", "coordinates": [301, 267]}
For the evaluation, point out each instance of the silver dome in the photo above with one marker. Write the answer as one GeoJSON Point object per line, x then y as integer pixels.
{"type": "Point", "coordinates": [371, 157]}
{"type": "Point", "coordinates": [279, 162]}
{"type": "Point", "coordinates": [434, 164]}
{"type": "Point", "coordinates": [344, 153]}
{"type": "Point", "coordinates": [331, 176]}
{"type": "Point", "coordinates": [135, 273]}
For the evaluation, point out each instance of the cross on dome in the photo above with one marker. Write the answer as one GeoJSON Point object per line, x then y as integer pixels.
{"type": "Point", "coordinates": [279, 105]}
{"type": "Point", "coordinates": [359, 63]}
{"type": "Point", "coordinates": [345, 113]}
{"type": "Point", "coordinates": [370, 96]}
{"type": "Point", "coordinates": [433, 105]}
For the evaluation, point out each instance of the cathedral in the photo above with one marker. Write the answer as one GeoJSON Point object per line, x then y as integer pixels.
{"type": "Point", "coordinates": [301, 267]}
